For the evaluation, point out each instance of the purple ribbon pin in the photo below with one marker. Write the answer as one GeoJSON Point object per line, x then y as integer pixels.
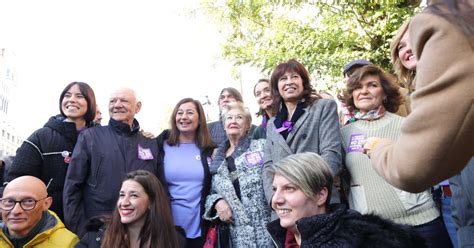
{"type": "Point", "coordinates": [287, 125]}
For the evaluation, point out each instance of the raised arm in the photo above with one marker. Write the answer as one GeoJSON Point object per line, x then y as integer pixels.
{"type": "Point", "coordinates": [436, 138]}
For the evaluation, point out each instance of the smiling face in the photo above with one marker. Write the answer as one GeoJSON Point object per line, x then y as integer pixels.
{"type": "Point", "coordinates": [187, 118]}
{"type": "Point", "coordinates": [74, 104]}
{"type": "Point", "coordinates": [133, 203]}
{"type": "Point", "coordinates": [405, 53]}
{"type": "Point", "coordinates": [290, 87]}
{"type": "Point", "coordinates": [235, 123]}
{"type": "Point", "coordinates": [18, 221]}
{"type": "Point", "coordinates": [263, 94]}
{"type": "Point", "coordinates": [123, 106]}
{"type": "Point", "coordinates": [369, 95]}
{"type": "Point", "coordinates": [291, 204]}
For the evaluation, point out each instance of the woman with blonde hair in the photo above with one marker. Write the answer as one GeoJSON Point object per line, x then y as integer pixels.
{"type": "Point", "coordinates": [301, 186]}
{"type": "Point", "coordinates": [403, 59]}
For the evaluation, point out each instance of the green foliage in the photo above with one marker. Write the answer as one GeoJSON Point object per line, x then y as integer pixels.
{"type": "Point", "coordinates": [323, 35]}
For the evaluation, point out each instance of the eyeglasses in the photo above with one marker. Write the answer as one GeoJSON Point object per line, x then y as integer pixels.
{"type": "Point", "coordinates": [27, 204]}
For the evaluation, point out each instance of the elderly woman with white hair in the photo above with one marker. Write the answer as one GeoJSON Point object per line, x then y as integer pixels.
{"type": "Point", "coordinates": [237, 198]}
{"type": "Point", "coordinates": [301, 185]}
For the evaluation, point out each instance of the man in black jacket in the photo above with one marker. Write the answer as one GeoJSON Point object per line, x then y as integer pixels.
{"type": "Point", "coordinates": [101, 159]}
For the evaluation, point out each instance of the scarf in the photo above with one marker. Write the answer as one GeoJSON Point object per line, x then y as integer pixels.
{"type": "Point", "coordinates": [372, 115]}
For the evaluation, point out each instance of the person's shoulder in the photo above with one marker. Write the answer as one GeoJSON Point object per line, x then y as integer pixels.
{"type": "Point", "coordinates": [162, 137]}
{"type": "Point", "coordinates": [376, 230]}
{"type": "Point", "coordinates": [257, 144]}
{"type": "Point", "coordinates": [321, 105]}
{"type": "Point", "coordinates": [394, 117]}
{"type": "Point", "coordinates": [347, 128]}
{"type": "Point", "coordinates": [325, 102]}
{"type": "Point", "coordinates": [97, 130]}
{"type": "Point", "coordinates": [64, 237]}
{"type": "Point", "coordinates": [211, 124]}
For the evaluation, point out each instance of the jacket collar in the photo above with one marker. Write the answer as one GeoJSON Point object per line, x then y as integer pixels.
{"type": "Point", "coordinates": [244, 144]}
{"type": "Point", "coordinates": [66, 129]}
{"type": "Point", "coordinates": [314, 229]}
{"type": "Point", "coordinates": [48, 224]}
{"type": "Point", "coordinates": [123, 128]}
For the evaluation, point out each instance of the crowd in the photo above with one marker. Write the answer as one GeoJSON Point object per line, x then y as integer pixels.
{"type": "Point", "coordinates": [308, 176]}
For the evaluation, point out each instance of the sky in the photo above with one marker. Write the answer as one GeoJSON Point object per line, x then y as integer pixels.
{"type": "Point", "coordinates": [157, 48]}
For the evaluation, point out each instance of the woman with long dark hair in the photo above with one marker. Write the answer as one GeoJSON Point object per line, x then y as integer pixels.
{"type": "Point", "coordinates": [142, 217]}
{"type": "Point", "coordinates": [184, 153]}
{"type": "Point", "coordinates": [47, 152]}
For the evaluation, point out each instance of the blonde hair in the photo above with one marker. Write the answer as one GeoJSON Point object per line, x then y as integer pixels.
{"type": "Point", "coordinates": [239, 106]}
{"type": "Point", "coordinates": [306, 170]}
{"type": "Point", "coordinates": [404, 75]}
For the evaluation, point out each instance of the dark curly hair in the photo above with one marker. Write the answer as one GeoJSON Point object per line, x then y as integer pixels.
{"type": "Point", "coordinates": [388, 82]}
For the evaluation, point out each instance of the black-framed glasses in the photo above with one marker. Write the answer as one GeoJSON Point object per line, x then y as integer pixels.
{"type": "Point", "coordinates": [7, 204]}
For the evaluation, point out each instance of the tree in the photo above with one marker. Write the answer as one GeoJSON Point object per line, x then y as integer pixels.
{"type": "Point", "coordinates": [322, 36]}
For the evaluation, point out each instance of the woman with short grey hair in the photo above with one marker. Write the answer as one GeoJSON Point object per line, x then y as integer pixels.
{"type": "Point", "coordinates": [301, 188]}
{"type": "Point", "coordinates": [237, 198]}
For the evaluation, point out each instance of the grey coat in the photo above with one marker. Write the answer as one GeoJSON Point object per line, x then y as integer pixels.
{"type": "Point", "coordinates": [317, 130]}
{"type": "Point", "coordinates": [251, 214]}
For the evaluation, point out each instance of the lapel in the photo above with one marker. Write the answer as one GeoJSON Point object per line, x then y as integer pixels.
{"type": "Point", "coordinates": [299, 123]}
{"type": "Point", "coordinates": [279, 141]}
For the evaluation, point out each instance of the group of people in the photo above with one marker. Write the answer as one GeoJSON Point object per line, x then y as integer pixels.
{"type": "Point", "coordinates": [305, 177]}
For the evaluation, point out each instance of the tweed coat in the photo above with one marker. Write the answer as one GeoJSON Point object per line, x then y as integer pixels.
{"type": "Point", "coordinates": [251, 213]}
{"type": "Point", "coordinates": [436, 138]}
{"type": "Point", "coordinates": [317, 130]}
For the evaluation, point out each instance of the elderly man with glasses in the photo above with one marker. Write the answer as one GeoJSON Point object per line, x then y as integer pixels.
{"type": "Point", "coordinates": [27, 220]}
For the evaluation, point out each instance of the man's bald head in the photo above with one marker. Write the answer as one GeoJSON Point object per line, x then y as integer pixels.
{"type": "Point", "coordinates": [26, 188]}
{"type": "Point", "coordinates": [123, 105]}
{"type": "Point", "coordinates": [29, 184]}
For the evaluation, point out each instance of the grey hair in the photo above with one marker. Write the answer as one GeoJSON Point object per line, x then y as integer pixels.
{"type": "Point", "coordinates": [240, 106]}
{"type": "Point", "coordinates": [306, 170]}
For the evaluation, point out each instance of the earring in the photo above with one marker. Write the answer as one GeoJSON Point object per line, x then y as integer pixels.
{"type": "Point", "coordinates": [385, 100]}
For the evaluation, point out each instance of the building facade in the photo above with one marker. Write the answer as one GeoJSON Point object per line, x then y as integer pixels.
{"type": "Point", "coordinates": [10, 139]}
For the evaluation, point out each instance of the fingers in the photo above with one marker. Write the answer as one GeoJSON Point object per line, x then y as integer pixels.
{"type": "Point", "coordinates": [224, 211]}
{"type": "Point", "coordinates": [227, 217]}
{"type": "Point", "coordinates": [370, 144]}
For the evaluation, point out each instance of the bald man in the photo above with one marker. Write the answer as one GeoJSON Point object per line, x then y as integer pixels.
{"type": "Point", "coordinates": [28, 222]}
{"type": "Point", "coordinates": [102, 157]}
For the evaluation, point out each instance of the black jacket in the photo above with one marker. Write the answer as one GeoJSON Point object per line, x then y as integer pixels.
{"type": "Point", "coordinates": [95, 234]}
{"type": "Point", "coordinates": [348, 228]}
{"type": "Point", "coordinates": [45, 155]}
{"type": "Point", "coordinates": [102, 158]}
{"type": "Point", "coordinates": [205, 156]}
